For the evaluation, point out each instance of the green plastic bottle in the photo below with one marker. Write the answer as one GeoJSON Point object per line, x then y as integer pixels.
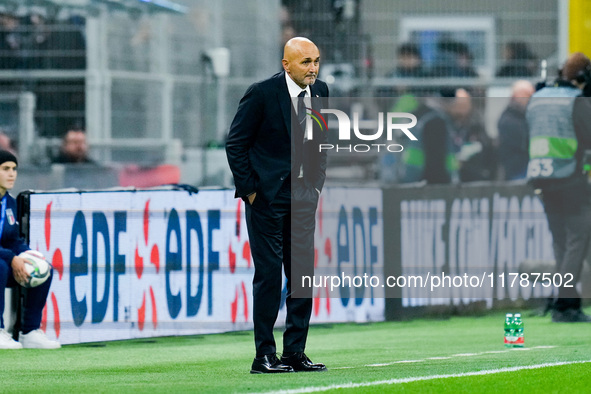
{"type": "Point", "coordinates": [518, 327]}
{"type": "Point", "coordinates": [509, 330]}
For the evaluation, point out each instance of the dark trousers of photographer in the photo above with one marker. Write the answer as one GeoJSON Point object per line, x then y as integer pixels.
{"type": "Point", "coordinates": [569, 218]}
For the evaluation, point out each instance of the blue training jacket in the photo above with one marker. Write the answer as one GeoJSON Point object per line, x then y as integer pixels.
{"type": "Point", "coordinates": [11, 244]}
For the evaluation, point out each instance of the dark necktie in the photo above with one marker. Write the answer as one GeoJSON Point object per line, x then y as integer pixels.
{"type": "Point", "coordinates": [302, 110]}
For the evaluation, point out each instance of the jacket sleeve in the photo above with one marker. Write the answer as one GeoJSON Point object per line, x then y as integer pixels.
{"type": "Point", "coordinates": [241, 137]}
{"type": "Point", "coordinates": [8, 254]}
{"type": "Point", "coordinates": [12, 244]}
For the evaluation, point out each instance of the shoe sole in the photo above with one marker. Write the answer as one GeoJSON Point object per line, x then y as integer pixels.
{"type": "Point", "coordinates": [308, 370]}
{"type": "Point", "coordinates": [253, 371]}
{"type": "Point", "coordinates": [41, 348]}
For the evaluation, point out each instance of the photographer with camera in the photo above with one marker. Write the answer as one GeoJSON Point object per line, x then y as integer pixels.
{"type": "Point", "coordinates": [559, 119]}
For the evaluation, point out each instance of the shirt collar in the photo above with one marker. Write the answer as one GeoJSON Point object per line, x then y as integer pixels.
{"type": "Point", "coordinates": [294, 89]}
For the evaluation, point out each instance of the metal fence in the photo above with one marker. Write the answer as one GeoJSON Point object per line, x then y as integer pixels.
{"type": "Point", "coordinates": [144, 82]}
{"type": "Point", "coordinates": [452, 38]}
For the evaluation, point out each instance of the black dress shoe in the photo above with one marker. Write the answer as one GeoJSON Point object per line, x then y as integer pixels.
{"type": "Point", "coordinates": [301, 363]}
{"type": "Point", "coordinates": [269, 363]}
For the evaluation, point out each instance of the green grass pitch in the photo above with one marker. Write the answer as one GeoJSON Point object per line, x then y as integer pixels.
{"type": "Point", "coordinates": [460, 354]}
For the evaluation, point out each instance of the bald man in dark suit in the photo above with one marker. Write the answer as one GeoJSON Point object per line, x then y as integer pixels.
{"type": "Point", "coordinates": [279, 172]}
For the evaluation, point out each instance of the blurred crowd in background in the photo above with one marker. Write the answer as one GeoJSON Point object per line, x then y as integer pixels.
{"type": "Point", "coordinates": [35, 42]}
{"type": "Point", "coordinates": [442, 74]}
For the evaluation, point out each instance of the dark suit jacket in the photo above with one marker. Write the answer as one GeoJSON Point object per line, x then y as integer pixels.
{"type": "Point", "coordinates": [259, 145]}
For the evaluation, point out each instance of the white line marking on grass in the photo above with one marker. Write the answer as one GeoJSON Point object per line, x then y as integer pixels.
{"type": "Point", "coordinates": [419, 378]}
{"type": "Point", "coordinates": [448, 357]}
{"type": "Point", "coordinates": [454, 355]}
{"type": "Point", "coordinates": [394, 362]}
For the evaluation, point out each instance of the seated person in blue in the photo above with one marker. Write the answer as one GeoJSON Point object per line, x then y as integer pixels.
{"type": "Point", "coordinates": [12, 267]}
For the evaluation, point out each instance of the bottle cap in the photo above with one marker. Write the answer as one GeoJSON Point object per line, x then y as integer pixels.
{"type": "Point", "coordinates": [509, 315]}
{"type": "Point", "coordinates": [518, 315]}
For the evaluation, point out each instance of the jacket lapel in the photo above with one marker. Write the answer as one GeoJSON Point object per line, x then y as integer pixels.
{"type": "Point", "coordinates": [284, 101]}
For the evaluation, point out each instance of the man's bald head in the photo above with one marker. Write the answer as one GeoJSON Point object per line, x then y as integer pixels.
{"type": "Point", "coordinates": [461, 107]}
{"type": "Point", "coordinates": [522, 88]}
{"type": "Point", "coordinates": [521, 91]}
{"type": "Point", "coordinates": [296, 45]}
{"type": "Point", "coordinates": [301, 60]}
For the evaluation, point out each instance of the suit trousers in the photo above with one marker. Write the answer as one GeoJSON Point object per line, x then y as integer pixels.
{"type": "Point", "coordinates": [281, 235]}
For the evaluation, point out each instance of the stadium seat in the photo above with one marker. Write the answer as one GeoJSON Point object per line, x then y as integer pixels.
{"type": "Point", "coordinates": [148, 177]}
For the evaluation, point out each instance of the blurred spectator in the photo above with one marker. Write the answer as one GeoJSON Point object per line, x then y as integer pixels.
{"type": "Point", "coordinates": [74, 148]}
{"type": "Point", "coordinates": [6, 143]}
{"type": "Point", "coordinates": [66, 37]}
{"type": "Point", "coordinates": [409, 63]}
{"type": "Point", "coordinates": [454, 60]}
{"type": "Point", "coordinates": [475, 149]}
{"type": "Point", "coordinates": [432, 157]}
{"type": "Point", "coordinates": [287, 33]}
{"type": "Point", "coordinates": [33, 36]}
{"type": "Point", "coordinates": [58, 100]}
{"type": "Point", "coordinates": [35, 42]}
{"type": "Point", "coordinates": [38, 43]}
{"type": "Point", "coordinates": [465, 62]}
{"type": "Point", "coordinates": [9, 41]}
{"type": "Point", "coordinates": [520, 61]}
{"type": "Point", "coordinates": [287, 30]}
{"type": "Point", "coordinates": [514, 132]}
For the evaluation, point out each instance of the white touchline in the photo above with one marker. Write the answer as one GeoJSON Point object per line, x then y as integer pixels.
{"type": "Point", "coordinates": [454, 355]}
{"type": "Point", "coordinates": [448, 357]}
{"type": "Point", "coordinates": [394, 362]}
{"type": "Point", "coordinates": [419, 378]}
